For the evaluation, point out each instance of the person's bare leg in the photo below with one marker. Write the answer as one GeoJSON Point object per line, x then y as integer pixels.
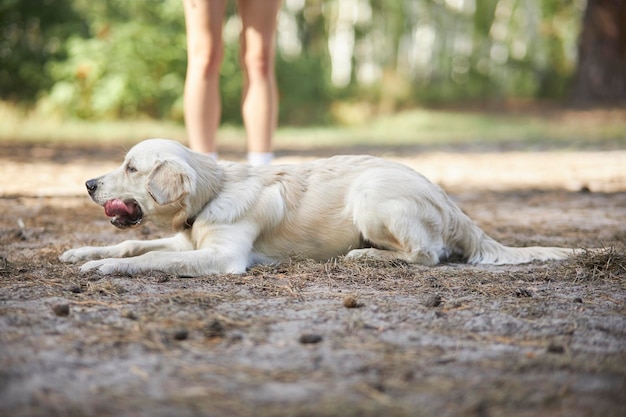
{"type": "Point", "coordinates": [260, 95]}
{"type": "Point", "coordinates": [205, 50]}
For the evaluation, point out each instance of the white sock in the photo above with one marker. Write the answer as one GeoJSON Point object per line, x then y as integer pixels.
{"type": "Point", "coordinates": [213, 155]}
{"type": "Point", "coordinates": [260, 158]}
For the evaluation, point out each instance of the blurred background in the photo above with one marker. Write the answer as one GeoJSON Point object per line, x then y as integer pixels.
{"type": "Point", "coordinates": [339, 62]}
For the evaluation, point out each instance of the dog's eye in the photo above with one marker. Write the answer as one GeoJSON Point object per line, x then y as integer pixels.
{"type": "Point", "coordinates": [130, 169]}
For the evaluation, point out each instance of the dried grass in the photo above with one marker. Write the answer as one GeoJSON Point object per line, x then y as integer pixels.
{"type": "Point", "coordinates": [601, 264]}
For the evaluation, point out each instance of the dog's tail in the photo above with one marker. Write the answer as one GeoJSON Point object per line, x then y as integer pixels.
{"type": "Point", "coordinates": [495, 253]}
{"type": "Point", "coordinates": [478, 248]}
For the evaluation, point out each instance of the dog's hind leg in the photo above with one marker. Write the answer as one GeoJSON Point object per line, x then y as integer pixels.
{"type": "Point", "coordinates": [400, 234]}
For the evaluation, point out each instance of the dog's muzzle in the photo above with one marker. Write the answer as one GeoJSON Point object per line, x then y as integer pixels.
{"type": "Point", "coordinates": [123, 213]}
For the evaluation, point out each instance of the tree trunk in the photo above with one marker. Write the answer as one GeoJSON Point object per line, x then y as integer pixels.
{"type": "Point", "coordinates": [601, 74]}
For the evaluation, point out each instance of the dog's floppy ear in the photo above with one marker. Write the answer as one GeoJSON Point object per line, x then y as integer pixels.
{"type": "Point", "coordinates": [167, 183]}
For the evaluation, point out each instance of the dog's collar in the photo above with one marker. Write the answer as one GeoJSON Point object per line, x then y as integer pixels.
{"type": "Point", "coordinates": [192, 219]}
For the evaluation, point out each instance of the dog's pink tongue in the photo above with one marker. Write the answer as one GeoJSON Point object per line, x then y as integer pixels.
{"type": "Point", "coordinates": [116, 207]}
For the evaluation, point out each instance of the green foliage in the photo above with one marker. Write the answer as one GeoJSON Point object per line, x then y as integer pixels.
{"type": "Point", "coordinates": [231, 85]}
{"type": "Point", "coordinates": [304, 90]}
{"type": "Point", "coordinates": [33, 33]}
{"type": "Point", "coordinates": [132, 64]}
{"type": "Point", "coordinates": [112, 59]}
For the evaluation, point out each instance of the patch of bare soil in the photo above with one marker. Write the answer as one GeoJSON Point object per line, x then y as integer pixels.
{"type": "Point", "coordinates": [324, 339]}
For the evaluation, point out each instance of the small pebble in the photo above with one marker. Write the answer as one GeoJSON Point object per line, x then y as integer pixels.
{"type": "Point", "coordinates": [433, 301]}
{"type": "Point", "coordinates": [555, 348]}
{"type": "Point", "coordinates": [578, 300]}
{"type": "Point", "coordinates": [61, 310]}
{"type": "Point", "coordinates": [350, 301]}
{"type": "Point", "coordinates": [127, 314]}
{"type": "Point", "coordinates": [76, 289]}
{"type": "Point", "coordinates": [180, 334]}
{"type": "Point", "coordinates": [214, 329]}
{"type": "Point", "coordinates": [523, 292]}
{"type": "Point", "coordinates": [310, 338]}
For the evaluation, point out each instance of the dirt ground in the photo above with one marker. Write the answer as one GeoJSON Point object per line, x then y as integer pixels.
{"type": "Point", "coordinates": [322, 339]}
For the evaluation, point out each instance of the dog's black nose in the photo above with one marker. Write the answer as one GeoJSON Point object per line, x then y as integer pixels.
{"type": "Point", "coordinates": [91, 186]}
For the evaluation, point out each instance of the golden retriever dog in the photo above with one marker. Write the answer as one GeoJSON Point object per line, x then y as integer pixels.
{"type": "Point", "coordinates": [229, 216]}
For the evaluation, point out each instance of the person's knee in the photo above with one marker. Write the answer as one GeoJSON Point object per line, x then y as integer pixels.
{"type": "Point", "coordinates": [207, 59]}
{"type": "Point", "coordinates": [259, 63]}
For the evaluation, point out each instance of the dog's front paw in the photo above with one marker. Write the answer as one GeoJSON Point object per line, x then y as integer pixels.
{"type": "Point", "coordinates": [77, 255]}
{"type": "Point", "coordinates": [106, 266]}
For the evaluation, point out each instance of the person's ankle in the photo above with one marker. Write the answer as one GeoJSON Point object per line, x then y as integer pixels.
{"type": "Point", "coordinates": [213, 155]}
{"type": "Point", "coordinates": [260, 158]}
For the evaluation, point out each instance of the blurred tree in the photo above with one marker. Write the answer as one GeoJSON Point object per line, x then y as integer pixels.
{"type": "Point", "coordinates": [131, 64]}
{"type": "Point", "coordinates": [601, 73]}
{"type": "Point", "coordinates": [33, 33]}
{"type": "Point", "coordinates": [127, 59]}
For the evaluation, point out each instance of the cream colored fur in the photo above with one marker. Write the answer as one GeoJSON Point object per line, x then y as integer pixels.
{"type": "Point", "coordinates": [358, 206]}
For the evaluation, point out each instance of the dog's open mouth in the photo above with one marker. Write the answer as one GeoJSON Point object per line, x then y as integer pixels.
{"type": "Point", "coordinates": [125, 213]}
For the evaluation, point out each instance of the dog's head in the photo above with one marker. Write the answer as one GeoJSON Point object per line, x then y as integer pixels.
{"type": "Point", "coordinates": [158, 181]}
